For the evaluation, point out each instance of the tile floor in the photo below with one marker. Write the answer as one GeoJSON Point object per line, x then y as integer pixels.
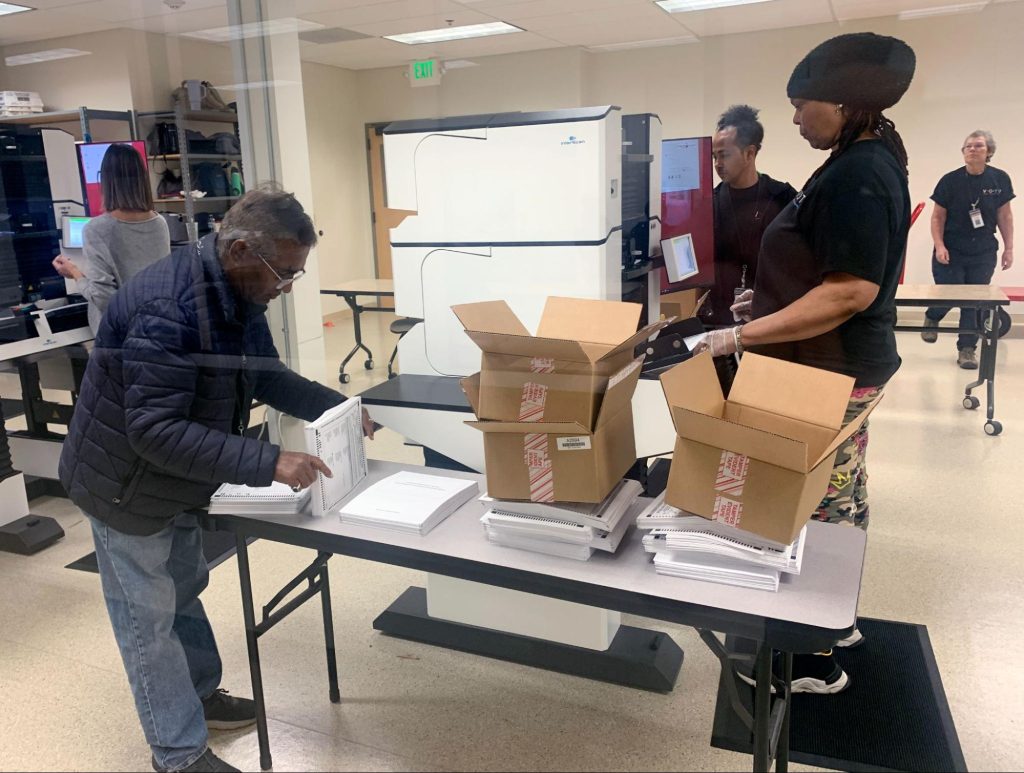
{"type": "Point", "coordinates": [944, 551]}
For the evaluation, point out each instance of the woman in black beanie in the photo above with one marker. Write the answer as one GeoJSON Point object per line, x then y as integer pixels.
{"type": "Point", "coordinates": [830, 262]}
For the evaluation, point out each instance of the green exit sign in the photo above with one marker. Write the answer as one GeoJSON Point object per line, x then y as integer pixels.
{"type": "Point", "coordinates": [425, 73]}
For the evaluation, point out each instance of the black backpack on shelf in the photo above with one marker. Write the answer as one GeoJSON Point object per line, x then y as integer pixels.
{"type": "Point", "coordinates": [163, 139]}
{"type": "Point", "coordinates": [170, 185]}
{"type": "Point", "coordinates": [210, 177]}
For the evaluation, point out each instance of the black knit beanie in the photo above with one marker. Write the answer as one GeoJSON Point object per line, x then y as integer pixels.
{"type": "Point", "coordinates": [861, 70]}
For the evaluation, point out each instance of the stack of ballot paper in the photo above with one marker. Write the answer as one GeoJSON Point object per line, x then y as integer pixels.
{"type": "Point", "coordinates": [693, 547]}
{"type": "Point", "coordinates": [275, 499]}
{"type": "Point", "coordinates": [410, 502]}
{"type": "Point", "coordinates": [569, 530]}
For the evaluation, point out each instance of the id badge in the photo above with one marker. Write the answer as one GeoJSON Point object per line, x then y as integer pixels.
{"type": "Point", "coordinates": [976, 218]}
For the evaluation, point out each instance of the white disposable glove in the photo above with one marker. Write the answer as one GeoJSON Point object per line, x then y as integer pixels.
{"type": "Point", "coordinates": [741, 309]}
{"type": "Point", "coordinates": [719, 342]}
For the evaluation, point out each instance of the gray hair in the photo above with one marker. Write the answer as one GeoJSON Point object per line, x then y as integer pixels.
{"type": "Point", "coordinates": [264, 216]}
{"type": "Point", "coordinates": [989, 141]}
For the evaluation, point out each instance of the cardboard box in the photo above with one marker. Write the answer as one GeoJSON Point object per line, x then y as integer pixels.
{"type": "Point", "coordinates": [761, 460]}
{"type": "Point", "coordinates": [681, 304]}
{"type": "Point", "coordinates": [579, 345]}
{"type": "Point", "coordinates": [561, 461]}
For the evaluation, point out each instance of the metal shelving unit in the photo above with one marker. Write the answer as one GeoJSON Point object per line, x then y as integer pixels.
{"type": "Point", "coordinates": [183, 120]}
{"type": "Point", "coordinates": [83, 116]}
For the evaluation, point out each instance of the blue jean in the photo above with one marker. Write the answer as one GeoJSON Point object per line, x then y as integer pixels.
{"type": "Point", "coordinates": [152, 586]}
{"type": "Point", "coordinates": [962, 272]}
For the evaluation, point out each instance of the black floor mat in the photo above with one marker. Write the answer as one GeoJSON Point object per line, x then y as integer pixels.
{"type": "Point", "coordinates": [217, 547]}
{"type": "Point", "coordinates": [893, 716]}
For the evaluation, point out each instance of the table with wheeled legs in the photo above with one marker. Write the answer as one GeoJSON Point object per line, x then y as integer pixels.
{"type": "Point", "coordinates": [352, 291]}
{"type": "Point", "coordinates": [809, 613]}
{"type": "Point", "coordinates": [988, 299]}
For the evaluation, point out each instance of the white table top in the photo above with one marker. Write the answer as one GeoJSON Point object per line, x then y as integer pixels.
{"type": "Point", "coordinates": [824, 595]}
{"type": "Point", "coordinates": [362, 287]}
{"type": "Point", "coordinates": [951, 293]}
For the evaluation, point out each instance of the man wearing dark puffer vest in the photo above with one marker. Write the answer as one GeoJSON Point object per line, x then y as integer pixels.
{"type": "Point", "coordinates": [182, 351]}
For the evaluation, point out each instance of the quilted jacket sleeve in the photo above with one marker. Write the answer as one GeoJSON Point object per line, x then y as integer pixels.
{"type": "Point", "coordinates": [284, 389]}
{"type": "Point", "coordinates": [160, 375]}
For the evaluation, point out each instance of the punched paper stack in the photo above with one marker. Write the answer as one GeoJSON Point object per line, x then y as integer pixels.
{"type": "Point", "coordinates": [568, 530]}
{"type": "Point", "coordinates": [696, 548]}
{"type": "Point", "coordinates": [275, 499]}
{"type": "Point", "coordinates": [409, 502]}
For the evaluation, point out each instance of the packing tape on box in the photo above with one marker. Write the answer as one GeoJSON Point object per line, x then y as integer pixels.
{"type": "Point", "coordinates": [728, 511]}
{"type": "Point", "coordinates": [542, 365]}
{"type": "Point", "coordinates": [535, 445]}
{"type": "Point", "coordinates": [732, 473]}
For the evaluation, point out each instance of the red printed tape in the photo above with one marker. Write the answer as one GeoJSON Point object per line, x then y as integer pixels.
{"type": "Point", "coordinates": [542, 365]}
{"type": "Point", "coordinates": [732, 473]}
{"type": "Point", "coordinates": [535, 445]}
{"type": "Point", "coordinates": [728, 511]}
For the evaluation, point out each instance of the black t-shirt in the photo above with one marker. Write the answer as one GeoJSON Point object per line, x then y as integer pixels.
{"type": "Point", "coordinates": [958, 192]}
{"type": "Point", "coordinates": [852, 219]}
{"type": "Point", "coordinates": [741, 217]}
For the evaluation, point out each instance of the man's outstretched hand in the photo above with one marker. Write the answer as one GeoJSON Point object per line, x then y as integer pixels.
{"type": "Point", "coordinates": [299, 470]}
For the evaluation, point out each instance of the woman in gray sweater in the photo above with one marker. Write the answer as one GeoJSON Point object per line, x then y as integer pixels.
{"type": "Point", "coordinates": [122, 242]}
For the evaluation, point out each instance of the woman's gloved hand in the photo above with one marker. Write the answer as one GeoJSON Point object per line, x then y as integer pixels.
{"type": "Point", "coordinates": [741, 309]}
{"type": "Point", "coordinates": [720, 343]}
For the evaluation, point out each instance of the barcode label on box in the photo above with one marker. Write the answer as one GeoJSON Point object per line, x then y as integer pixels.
{"type": "Point", "coordinates": [579, 443]}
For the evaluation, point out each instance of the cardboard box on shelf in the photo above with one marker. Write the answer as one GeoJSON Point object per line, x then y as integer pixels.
{"type": "Point", "coordinates": [579, 345]}
{"type": "Point", "coordinates": [761, 460]}
{"type": "Point", "coordinates": [560, 461]}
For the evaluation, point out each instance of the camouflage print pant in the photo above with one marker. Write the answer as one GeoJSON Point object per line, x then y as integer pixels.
{"type": "Point", "coordinates": [847, 497]}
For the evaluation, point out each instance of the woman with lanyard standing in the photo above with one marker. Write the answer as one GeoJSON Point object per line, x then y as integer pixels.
{"type": "Point", "coordinates": [830, 262]}
{"type": "Point", "coordinates": [124, 240]}
{"type": "Point", "coordinates": [970, 202]}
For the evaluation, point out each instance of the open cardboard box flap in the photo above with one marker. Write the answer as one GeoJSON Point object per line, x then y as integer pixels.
{"type": "Point", "coordinates": [796, 391]}
{"type": "Point", "coordinates": [619, 394]}
{"type": "Point", "coordinates": [756, 443]}
{"type": "Point", "coordinates": [847, 431]}
{"type": "Point", "coordinates": [471, 386]}
{"type": "Point", "coordinates": [693, 385]}
{"type": "Point", "coordinates": [574, 329]}
{"type": "Point", "coordinates": [531, 427]}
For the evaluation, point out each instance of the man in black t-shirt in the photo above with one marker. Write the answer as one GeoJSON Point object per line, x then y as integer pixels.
{"type": "Point", "coordinates": [745, 202]}
{"type": "Point", "coordinates": [970, 203]}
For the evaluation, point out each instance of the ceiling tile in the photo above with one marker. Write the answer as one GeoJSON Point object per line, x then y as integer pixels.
{"type": "Point", "coordinates": [847, 10]}
{"type": "Point", "coordinates": [175, 24]}
{"type": "Point", "coordinates": [776, 14]}
{"type": "Point", "coordinates": [532, 9]}
{"type": "Point", "coordinates": [387, 11]}
{"type": "Point", "coordinates": [420, 23]}
{"type": "Point", "coordinates": [611, 18]}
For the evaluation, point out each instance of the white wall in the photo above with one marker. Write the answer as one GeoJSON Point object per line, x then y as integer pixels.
{"type": "Point", "coordinates": [341, 198]}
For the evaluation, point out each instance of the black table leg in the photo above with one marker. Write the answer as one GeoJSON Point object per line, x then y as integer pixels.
{"type": "Point", "coordinates": [252, 643]}
{"type": "Point", "coordinates": [332, 659]}
{"type": "Point", "coordinates": [782, 755]}
{"type": "Point", "coordinates": [357, 310]}
{"type": "Point", "coordinates": [762, 709]}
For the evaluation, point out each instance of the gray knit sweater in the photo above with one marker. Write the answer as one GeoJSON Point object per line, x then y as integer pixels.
{"type": "Point", "coordinates": [115, 251]}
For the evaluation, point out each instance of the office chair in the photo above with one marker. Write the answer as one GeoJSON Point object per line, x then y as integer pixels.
{"type": "Point", "coordinates": [400, 327]}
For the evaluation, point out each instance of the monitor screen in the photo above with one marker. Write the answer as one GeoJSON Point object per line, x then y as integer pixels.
{"type": "Point", "coordinates": [90, 158]}
{"type": "Point", "coordinates": [680, 257]}
{"type": "Point", "coordinates": [71, 232]}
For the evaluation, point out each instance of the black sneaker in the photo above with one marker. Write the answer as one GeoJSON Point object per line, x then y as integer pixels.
{"type": "Point", "coordinates": [819, 674]}
{"type": "Point", "coordinates": [226, 712]}
{"type": "Point", "coordinates": [208, 763]}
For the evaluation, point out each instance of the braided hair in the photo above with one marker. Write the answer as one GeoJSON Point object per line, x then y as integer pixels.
{"type": "Point", "coordinates": [859, 121]}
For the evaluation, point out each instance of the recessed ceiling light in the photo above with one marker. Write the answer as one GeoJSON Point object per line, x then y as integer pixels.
{"type": "Point", "coordinates": [941, 10]}
{"type": "Point", "coordinates": [678, 41]}
{"type": "Point", "coordinates": [682, 6]}
{"type": "Point", "coordinates": [455, 33]}
{"type": "Point", "coordinates": [8, 8]}
{"type": "Point", "coordinates": [43, 56]}
{"type": "Point", "coordinates": [256, 29]}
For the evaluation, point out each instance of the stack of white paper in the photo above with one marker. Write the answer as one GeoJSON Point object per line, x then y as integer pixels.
{"type": "Point", "coordinates": [570, 530]}
{"type": "Point", "coordinates": [275, 499]}
{"type": "Point", "coordinates": [409, 502]}
{"type": "Point", "coordinates": [717, 569]}
{"type": "Point", "coordinates": [699, 549]}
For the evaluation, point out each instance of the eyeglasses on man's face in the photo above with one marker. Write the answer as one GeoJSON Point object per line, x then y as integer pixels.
{"type": "Point", "coordinates": [283, 280]}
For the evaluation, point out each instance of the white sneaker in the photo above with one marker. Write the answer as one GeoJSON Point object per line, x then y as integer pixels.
{"type": "Point", "coordinates": [855, 639]}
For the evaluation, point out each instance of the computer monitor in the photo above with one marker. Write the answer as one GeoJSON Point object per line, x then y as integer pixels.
{"type": "Point", "coordinates": [680, 257]}
{"type": "Point", "coordinates": [71, 232]}
{"type": "Point", "coordinates": [90, 159]}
